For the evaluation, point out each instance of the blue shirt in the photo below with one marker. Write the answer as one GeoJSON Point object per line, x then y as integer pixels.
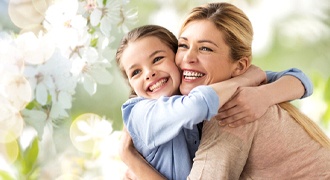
{"type": "Point", "coordinates": [160, 137]}
{"type": "Point", "coordinates": [165, 130]}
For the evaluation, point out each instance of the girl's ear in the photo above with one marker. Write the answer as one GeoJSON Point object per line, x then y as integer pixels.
{"type": "Point", "coordinates": [241, 66]}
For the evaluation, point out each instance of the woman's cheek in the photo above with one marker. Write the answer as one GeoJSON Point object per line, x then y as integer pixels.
{"type": "Point", "coordinates": [178, 58]}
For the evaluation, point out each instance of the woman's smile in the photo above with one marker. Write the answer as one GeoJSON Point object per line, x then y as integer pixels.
{"type": "Point", "coordinates": [191, 75]}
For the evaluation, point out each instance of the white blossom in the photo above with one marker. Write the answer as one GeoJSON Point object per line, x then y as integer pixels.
{"type": "Point", "coordinates": [40, 70]}
{"type": "Point", "coordinates": [35, 50]}
{"type": "Point", "coordinates": [64, 24]}
{"type": "Point", "coordinates": [11, 122]}
{"type": "Point", "coordinates": [111, 15]}
{"type": "Point", "coordinates": [90, 70]}
{"type": "Point", "coordinates": [17, 91]}
{"type": "Point", "coordinates": [37, 119]}
{"type": "Point", "coordinates": [88, 130]}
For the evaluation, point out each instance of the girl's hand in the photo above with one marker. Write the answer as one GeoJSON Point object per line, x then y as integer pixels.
{"type": "Point", "coordinates": [247, 105]}
{"type": "Point", "coordinates": [254, 75]}
{"type": "Point", "coordinates": [126, 145]}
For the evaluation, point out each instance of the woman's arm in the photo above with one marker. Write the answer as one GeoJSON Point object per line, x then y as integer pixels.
{"type": "Point", "coordinates": [250, 103]}
{"type": "Point", "coordinates": [138, 167]}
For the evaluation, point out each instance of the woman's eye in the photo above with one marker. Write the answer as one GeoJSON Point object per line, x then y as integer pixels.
{"type": "Point", "coordinates": [182, 46]}
{"type": "Point", "coordinates": [205, 49]}
{"type": "Point", "coordinates": [157, 59]}
{"type": "Point", "coordinates": [135, 72]}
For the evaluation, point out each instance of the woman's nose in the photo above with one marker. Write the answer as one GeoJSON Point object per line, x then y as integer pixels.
{"type": "Point", "coordinates": [190, 56]}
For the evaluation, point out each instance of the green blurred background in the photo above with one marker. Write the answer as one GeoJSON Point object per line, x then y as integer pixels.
{"type": "Point", "coordinates": [293, 33]}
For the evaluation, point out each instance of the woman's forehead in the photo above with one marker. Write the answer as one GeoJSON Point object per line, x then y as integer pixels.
{"type": "Point", "coordinates": [201, 29]}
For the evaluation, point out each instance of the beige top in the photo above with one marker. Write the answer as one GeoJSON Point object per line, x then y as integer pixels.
{"type": "Point", "coordinates": [273, 147]}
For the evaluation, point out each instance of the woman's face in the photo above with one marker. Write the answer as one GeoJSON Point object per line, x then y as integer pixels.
{"type": "Point", "coordinates": [150, 68]}
{"type": "Point", "coordinates": [203, 56]}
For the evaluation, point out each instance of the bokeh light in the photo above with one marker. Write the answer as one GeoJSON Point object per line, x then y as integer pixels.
{"type": "Point", "coordinates": [88, 130]}
{"type": "Point", "coordinates": [9, 151]}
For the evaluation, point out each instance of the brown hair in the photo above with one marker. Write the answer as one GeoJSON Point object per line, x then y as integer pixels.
{"type": "Point", "coordinates": [231, 21]}
{"type": "Point", "coordinates": [163, 34]}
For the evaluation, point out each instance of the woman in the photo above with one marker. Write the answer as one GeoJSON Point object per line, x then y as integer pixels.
{"type": "Point", "coordinates": [281, 144]}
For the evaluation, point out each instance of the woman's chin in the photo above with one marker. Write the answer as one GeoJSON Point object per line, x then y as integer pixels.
{"type": "Point", "coordinates": [185, 90]}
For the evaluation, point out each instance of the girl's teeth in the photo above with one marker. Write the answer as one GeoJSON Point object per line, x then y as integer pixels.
{"type": "Point", "coordinates": [158, 84]}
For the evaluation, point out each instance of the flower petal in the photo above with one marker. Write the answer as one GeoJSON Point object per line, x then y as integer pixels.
{"type": "Point", "coordinates": [89, 85]}
{"type": "Point", "coordinates": [41, 94]}
{"type": "Point", "coordinates": [95, 17]}
{"type": "Point", "coordinates": [36, 119]}
{"type": "Point", "coordinates": [101, 75]}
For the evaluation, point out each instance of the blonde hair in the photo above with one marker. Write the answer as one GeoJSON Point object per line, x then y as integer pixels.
{"type": "Point", "coordinates": [312, 129]}
{"type": "Point", "coordinates": [231, 21]}
{"type": "Point", "coordinates": [238, 35]}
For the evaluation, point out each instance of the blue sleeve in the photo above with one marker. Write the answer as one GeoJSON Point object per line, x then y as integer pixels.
{"type": "Point", "coordinates": [307, 83]}
{"type": "Point", "coordinates": [156, 121]}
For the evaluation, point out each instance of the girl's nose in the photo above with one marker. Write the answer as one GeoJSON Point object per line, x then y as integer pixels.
{"type": "Point", "coordinates": [150, 75]}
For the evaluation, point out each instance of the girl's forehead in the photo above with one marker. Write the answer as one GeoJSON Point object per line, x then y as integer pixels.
{"type": "Point", "coordinates": [143, 49]}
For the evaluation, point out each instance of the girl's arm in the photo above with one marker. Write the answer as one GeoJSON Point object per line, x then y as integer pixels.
{"type": "Point", "coordinates": [250, 103]}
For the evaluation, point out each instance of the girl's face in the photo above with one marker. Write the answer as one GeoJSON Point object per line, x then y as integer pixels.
{"type": "Point", "coordinates": [150, 68]}
{"type": "Point", "coordinates": [203, 56]}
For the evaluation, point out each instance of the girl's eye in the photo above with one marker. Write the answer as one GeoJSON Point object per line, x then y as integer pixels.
{"type": "Point", "coordinates": [158, 59]}
{"type": "Point", "coordinates": [205, 49]}
{"type": "Point", "coordinates": [135, 72]}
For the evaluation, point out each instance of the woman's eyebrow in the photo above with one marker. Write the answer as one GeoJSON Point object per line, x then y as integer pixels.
{"type": "Point", "coordinates": [201, 41]}
{"type": "Point", "coordinates": [184, 38]}
{"type": "Point", "coordinates": [207, 41]}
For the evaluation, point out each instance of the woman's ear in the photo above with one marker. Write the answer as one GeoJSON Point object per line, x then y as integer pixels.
{"type": "Point", "coordinates": [241, 66]}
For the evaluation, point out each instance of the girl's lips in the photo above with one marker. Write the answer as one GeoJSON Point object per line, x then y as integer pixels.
{"type": "Point", "coordinates": [191, 75]}
{"type": "Point", "coordinates": [157, 84]}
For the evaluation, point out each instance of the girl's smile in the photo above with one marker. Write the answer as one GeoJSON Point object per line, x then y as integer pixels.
{"type": "Point", "coordinates": [153, 87]}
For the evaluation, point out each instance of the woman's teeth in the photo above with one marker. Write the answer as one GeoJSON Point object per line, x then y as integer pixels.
{"type": "Point", "coordinates": [192, 75]}
{"type": "Point", "coordinates": [158, 84]}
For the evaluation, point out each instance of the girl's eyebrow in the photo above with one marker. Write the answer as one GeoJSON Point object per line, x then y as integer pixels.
{"type": "Point", "coordinates": [132, 67]}
{"type": "Point", "coordinates": [201, 41]}
{"type": "Point", "coordinates": [150, 56]}
{"type": "Point", "coordinates": [155, 52]}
